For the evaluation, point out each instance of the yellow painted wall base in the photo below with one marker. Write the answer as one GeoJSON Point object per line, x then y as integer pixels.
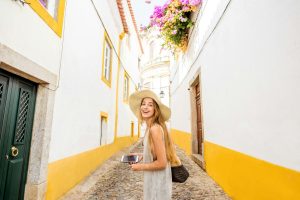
{"type": "Point", "coordinates": [66, 173]}
{"type": "Point", "coordinates": [183, 140]}
{"type": "Point", "coordinates": [247, 178]}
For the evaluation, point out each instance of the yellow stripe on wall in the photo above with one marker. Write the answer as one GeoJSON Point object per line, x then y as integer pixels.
{"type": "Point", "coordinates": [248, 178]}
{"type": "Point", "coordinates": [183, 140]}
{"type": "Point", "coordinates": [66, 173]}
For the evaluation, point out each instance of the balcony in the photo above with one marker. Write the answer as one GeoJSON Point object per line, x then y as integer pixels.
{"type": "Point", "coordinates": [156, 62]}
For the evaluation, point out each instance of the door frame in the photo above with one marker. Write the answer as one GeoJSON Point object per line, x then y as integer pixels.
{"type": "Point", "coordinates": [15, 87]}
{"type": "Point", "coordinates": [196, 79]}
{"type": "Point", "coordinates": [17, 64]}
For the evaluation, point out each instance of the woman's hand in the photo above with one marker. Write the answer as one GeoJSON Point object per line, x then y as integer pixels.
{"type": "Point", "coordinates": [136, 167]}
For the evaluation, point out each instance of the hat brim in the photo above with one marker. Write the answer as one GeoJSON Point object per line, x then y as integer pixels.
{"type": "Point", "coordinates": [136, 98]}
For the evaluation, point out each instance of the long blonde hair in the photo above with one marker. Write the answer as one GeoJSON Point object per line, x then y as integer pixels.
{"type": "Point", "coordinates": [158, 119]}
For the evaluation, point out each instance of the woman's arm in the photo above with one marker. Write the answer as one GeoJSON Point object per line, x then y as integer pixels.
{"type": "Point", "coordinates": [159, 148]}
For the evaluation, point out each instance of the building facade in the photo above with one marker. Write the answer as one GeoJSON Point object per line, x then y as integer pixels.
{"type": "Point", "coordinates": [155, 65]}
{"type": "Point", "coordinates": [238, 82]}
{"type": "Point", "coordinates": [67, 69]}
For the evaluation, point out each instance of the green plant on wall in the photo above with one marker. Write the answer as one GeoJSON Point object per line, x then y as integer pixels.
{"type": "Point", "coordinates": [173, 21]}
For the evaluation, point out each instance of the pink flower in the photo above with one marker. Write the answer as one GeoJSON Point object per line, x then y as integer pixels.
{"type": "Point", "coordinates": [185, 8]}
{"type": "Point", "coordinates": [143, 28]}
{"type": "Point", "coordinates": [195, 2]}
{"type": "Point", "coordinates": [158, 12]}
{"type": "Point", "coordinates": [174, 32]}
{"type": "Point", "coordinates": [165, 6]}
{"type": "Point", "coordinates": [184, 2]}
{"type": "Point", "coordinates": [182, 19]}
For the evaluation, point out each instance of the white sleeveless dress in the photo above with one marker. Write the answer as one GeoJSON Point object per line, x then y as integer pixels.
{"type": "Point", "coordinates": [157, 184]}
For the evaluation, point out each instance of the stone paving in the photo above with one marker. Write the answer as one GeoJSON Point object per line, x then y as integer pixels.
{"type": "Point", "coordinates": [114, 180]}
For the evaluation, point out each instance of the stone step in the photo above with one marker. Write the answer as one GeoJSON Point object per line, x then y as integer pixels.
{"type": "Point", "coordinates": [199, 160]}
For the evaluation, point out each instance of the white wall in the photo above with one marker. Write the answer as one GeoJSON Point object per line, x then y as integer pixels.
{"type": "Point", "coordinates": [155, 64]}
{"type": "Point", "coordinates": [26, 33]}
{"type": "Point", "coordinates": [130, 51]}
{"type": "Point", "coordinates": [125, 116]}
{"type": "Point", "coordinates": [132, 56]}
{"type": "Point", "coordinates": [79, 99]}
{"type": "Point", "coordinates": [250, 78]}
{"type": "Point", "coordinates": [82, 95]}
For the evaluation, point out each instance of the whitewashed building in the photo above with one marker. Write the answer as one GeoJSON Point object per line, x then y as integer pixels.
{"type": "Point", "coordinates": [67, 68]}
{"type": "Point", "coordinates": [155, 65]}
{"type": "Point", "coordinates": [235, 96]}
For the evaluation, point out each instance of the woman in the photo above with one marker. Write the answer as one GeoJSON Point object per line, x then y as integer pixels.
{"type": "Point", "coordinates": [159, 151]}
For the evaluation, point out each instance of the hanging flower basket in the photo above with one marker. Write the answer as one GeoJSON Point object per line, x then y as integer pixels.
{"type": "Point", "coordinates": [173, 21]}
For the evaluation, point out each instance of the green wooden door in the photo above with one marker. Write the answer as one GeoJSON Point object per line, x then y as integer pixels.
{"type": "Point", "coordinates": [17, 100]}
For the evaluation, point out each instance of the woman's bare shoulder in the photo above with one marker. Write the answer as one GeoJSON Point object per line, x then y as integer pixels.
{"type": "Point", "coordinates": [156, 130]}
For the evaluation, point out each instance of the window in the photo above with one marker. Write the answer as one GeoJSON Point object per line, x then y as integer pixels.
{"type": "Point", "coordinates": [147, 85]}
{"type": "Point", "coordinates": [44, 3]}
{"type": "Point", "coordinates": [103, 128]}
{"type": "Point", "coordinates": [52, 12]}
{"type": "Point", "coordinates": [51, 6]}
{"type": "Point", "coordinates": [126, 87]}
{"type": "Point", "coordinates": [107, 61]}
{"type": "Point", "coordinates": [151, 47]}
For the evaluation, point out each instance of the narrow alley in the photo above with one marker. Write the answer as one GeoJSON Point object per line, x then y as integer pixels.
{"type": "Point", "coordinates": [115, 181]}
{"type": "Point", "coordinates": [82, 81]}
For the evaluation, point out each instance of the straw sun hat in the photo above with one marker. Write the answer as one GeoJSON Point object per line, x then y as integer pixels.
{"type": "Point", "coordinates": [136, 98]}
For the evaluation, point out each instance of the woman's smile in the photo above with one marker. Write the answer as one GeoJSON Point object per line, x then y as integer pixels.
{"type": "Point", "coordinates": [147, 109]}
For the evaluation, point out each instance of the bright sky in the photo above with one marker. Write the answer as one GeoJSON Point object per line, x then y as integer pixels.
{"type": "Point", "coordinates": [142, 10]}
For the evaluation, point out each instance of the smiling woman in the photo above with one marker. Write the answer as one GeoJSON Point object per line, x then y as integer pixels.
{"type": "Point", "coordinates": [159, 152]}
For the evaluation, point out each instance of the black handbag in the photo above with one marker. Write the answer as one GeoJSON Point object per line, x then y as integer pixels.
{"type": "Point", "coordinates": [179, 173]}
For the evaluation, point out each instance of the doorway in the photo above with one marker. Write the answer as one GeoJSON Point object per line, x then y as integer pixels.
{"type": "Point", "coordinates": [103, 128]}
{"type": "Point", "coordinates": [197, 121]}
{"type": "Point", "coordinates": [132, 129]}
{"type": "Point", "coordinates": [17, 104]}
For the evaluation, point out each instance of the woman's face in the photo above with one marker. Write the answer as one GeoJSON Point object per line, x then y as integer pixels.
{"type": "Point", "coordinates": [147, 108]}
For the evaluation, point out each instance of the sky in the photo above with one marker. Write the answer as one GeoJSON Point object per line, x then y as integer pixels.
{"type": "Point", "coordinates": [142, 10]}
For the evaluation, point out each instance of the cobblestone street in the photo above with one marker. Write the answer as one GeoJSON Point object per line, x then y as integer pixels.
{"type": "Point", "coordinates": [114, 180]}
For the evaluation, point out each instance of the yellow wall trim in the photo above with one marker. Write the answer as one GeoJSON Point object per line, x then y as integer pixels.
{"type": "Point", "coordinates": [121, 36]}
{"type": "Point", "coordinates": [132, 129]}
{"type": "Point", "coordinates": [55, 25]}
{"type": "Point", "coordinates": [247, 178]}
{"type": "Point", "coordinates": [66, 173]}
{"type": "Point", "coordinates": [103, 114]}
{"type": "Point", "coordinates": [183, 140]}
